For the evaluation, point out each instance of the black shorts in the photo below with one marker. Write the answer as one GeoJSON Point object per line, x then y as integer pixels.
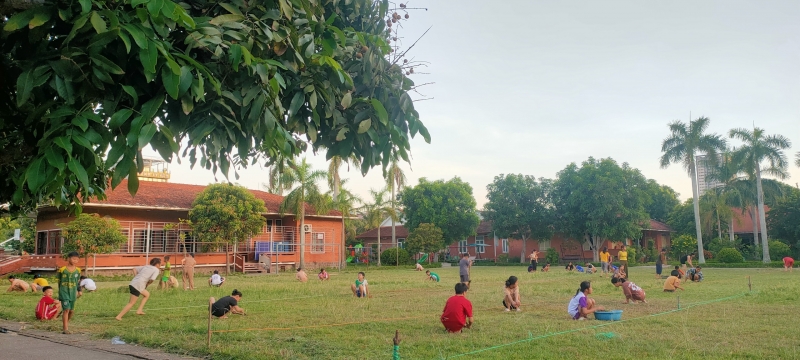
{"type": "Point", "coordinates": [133, 291]}
{"type": "Point", "coordinates": [533, 263]}
{"type": "Point", "coordinates": [464, 278]}
{"type": "Point", "coordinates": [659, 268]}
{"type": "Point", "coordinates": [219, 312]}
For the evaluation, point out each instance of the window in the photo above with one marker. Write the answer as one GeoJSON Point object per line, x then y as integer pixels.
{"type": "Point", "coordinates": [462, 247]}
{"type": "Point", "coordinates": [41, 243]}
{"type": "Point", "coordinates": [318, 243]}
{"type": "Point", "coordinates": [401, 243]}
{"type": "Point", "coordinates": [54, 242]}
{"type": "Point", "coordinates": [123, 248]}
{"type": "Point", "coordinates": [278, 225]}
{"type": "Point", "coordinates": [480, 247]}
{"type": "Point", "coordinates": [505, 246]}
{"type": "Point", "coordinates": [269, 225]}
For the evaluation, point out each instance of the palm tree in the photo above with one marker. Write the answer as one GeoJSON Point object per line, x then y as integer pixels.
{"type": "Point", "coordinates": [303, 179]}
{"type": "Point", "coordinates": [345, 201]}
{"type": "Point", "coordinates": [395, 179]}
{"type": "Point", "coordinates": [278, 175]}
{"type": "Point", "coordinates": [797, 161]}
{"type": "Point", "coordinates": [733, 187]}
{"type": "Point", "coordinates": [757, 148]}
{"type": "Point", "coordinates": [681, 146]}
{"type": "Point", "coordinates": [335, 184]}
{"type": "Point", "coordinates": [376, 211]}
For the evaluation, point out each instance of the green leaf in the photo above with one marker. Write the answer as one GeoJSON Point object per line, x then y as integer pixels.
{"type": "Point", "coordinates": [24, 87]}
{"type": "Point", "coordinates": [187, 104]}
{"type": "Point", "coordinates": [231, 9]}
{"type": "Point", "coordinates": [346, 100]}
{"type": "Point", "coordinates": [342, 134]}
{"type": "Point", "coordinates": [186, 79]}
{"type": "Point", "coordinates": [86, 6]}
{"type": "Point", "coordinates": [286, 9]}
{"type": "Point", "coordinates": [219, 20]}
{"type": "Point", "coordinates": [364, 126]}
{"type": "Point", "coordinates": [54, 159]}
{"type": "Point", "coordinates": [64, 143]}
{"type": "Point", "coordinates": [65, 90]}
{"type": "Point", "coordinates": [132, 92]}
{"type": "Point", "coordinates": [20, 20]}
{"type": "Point", "coordinates": [380, 111]}
{"type": "Point", "coordinates": [154, 7]}
{"type": "Point", "coordinates": [133, 181]}
{"type": "Point", "coordinates": [79, 24]}
{"type": "Point", "coordinates": [149, 58]}
{"type": "Point", "coordinates": [98, 23]}
{"type": "Point", "coordinates": [81, 122]}
{"type": "Point", "coordinates": [79, 172]}
{"type": "Point", "coordinates": [40, 18]}
{"type": "Point", "coordinates": [171, 82]}
{"type": "Point", "coordinates": [125, 40]}
{"type": "Point", "coordinates": [63, 111]}
{"type": "Point", "coordinates": [137, 35]}
{"type": "Point", "coordinates": [236, 56]}
{"type": "Point", "coordinates": [150, 108]}
{"type": "Point", "coordinates": [257, 108]}
{"type": "Point", "coordinates": [136, 3]}
{"type": "Point", "coordinates": [297, 102]}
{"type": "Point", "coordinates": [119, 118]}
{"type": "Point", "coordinates": [146, 134]}
{"type": "Point", "coordinates": [107, 64]}
{"type": "Point", "coordinates": [102, 39]}
{"type": "Point", "coordinates": [117, 149]}
{"type": "Point", "coordinates": [35, 174]}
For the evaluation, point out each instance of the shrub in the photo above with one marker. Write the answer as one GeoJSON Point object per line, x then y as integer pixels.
{"type": "Point", "coordinates": [778, 250]}
{"type": "Point", "coordinates": [631, 255]}
{"type": "Point", "coordinates": [708, 254]}
{"type": "Point", "coordinates": [391, 257]}
{"type": "Point", "coordinates": [551, 257]}
{"type": "Point", "coordinates": [730, 255]}
{"type": "Point", "coordinates": [717, 244]}
{"type": "Point", "coordinates": [682, 245]}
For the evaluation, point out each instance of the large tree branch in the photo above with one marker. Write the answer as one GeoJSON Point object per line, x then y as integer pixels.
{"type": "Point", "coordinates": [9, 7]}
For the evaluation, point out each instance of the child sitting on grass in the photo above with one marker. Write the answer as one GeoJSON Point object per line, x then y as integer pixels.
{"type": "Point", "coordinates": [215, 279]}
{"type": "Point", "coordinates": [695, 274]}
{"type": "Point", "coordinates": [581, 306]}
{"type": "Point", "coordinates": [511, 299]}
{"type": "Point", "coordinates": [47, 308]}
{"type": "Point", "coordinates": [570, 267]}
{"type": "Point", "coordinates": [673, 281]}
{"type": "Point", "coordinates": [590, 268]}
{"type": "Point", "coordinates": [546, 268]}
{"type": "Point", "coordinates": [323, 275]}
{"type": "Point", "coordinates": [360, 287]}
{"type": "Point", "coordinates": [432, 276]}
{"type": "Point", "coordinates": [38, 283]}
{"type": "Point", "coordinates": [457, 312]}
{"type": "Point", "coordinates": [631, 291]}
{"type": "Point", "coordinates": [301, 275]}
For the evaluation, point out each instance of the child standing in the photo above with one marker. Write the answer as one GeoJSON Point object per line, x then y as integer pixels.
{"type": "Point", "coordinates": [360, 286]}
{"type": "Point", "coordinates": [581, 306]}
{"type": "Point", "coordinates": [660, 260]}
{"type": "Point", "coordinates": [631, 291]}
{"type": "Point", "coordinates": [69, 278]}
{"type": "Point", "coordinates": [432, 276]}
{"type": "Point", "coordinates": [457, 312]}
{"type": "Point", "coordinates": [165, 276]}
{"type": "Point", "coordinates": [604, 261]}
{"type": "Point", "coordinates": [511, 299]}
{"type": "Point", "coordinates": [622, 256]}
{"type": "Point", "coordinates": [47, 308]}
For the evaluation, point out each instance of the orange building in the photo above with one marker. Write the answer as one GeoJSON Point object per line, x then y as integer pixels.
{"type": "Point", "coordinates": [151, 222]}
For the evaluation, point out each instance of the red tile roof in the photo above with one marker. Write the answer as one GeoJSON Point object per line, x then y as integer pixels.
{"type": "Point", "coordinates": [658, 226]}
{"type": "Point", "coordinates": [743, 223]}
{"type": "Point", "coordinates": [386, 233]}
{"type": "Point", "coordinates": [179, 196]}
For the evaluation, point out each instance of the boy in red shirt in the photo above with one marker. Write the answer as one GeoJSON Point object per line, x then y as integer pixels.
{"type": "Point", "coordinates": [457, 312]}
{"type": "Point", "coordinates": [48, 308]}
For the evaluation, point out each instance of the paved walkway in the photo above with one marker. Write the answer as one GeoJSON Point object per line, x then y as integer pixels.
{"type": "Point", "coordinates": [19, 342]}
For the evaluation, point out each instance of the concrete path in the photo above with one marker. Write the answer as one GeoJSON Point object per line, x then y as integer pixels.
{"type": "Point", "coordinates": [19, 342]}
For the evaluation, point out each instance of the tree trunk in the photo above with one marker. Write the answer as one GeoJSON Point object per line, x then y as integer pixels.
{"type": "Point", "coordinates": [343, 250]}
{"type": "Point", "coordinates": [86, 265]}
{"type": "Point", "coordinates": [302, 236]}
{"type": "Point", "coordinates": [762, 217]}
{"type": "Point", "coordinates": [394, 238]}
{"type": "Point", "coordinates": [701, 259]}
{"type": "Point", "coordinates": [379, 244]}
{"type": "Point", "coordinates": [730, 232]}
{"type": "Point", "coordinates": [524, 254]}
{"type": "Point", "coordinates": [719, 227]}
{"type": "Point", "coordinates": [754, 218]}
{"type": "Point", "coordinates": [227, 260]}
{"type": "Point", "coordinates": [596, 248]}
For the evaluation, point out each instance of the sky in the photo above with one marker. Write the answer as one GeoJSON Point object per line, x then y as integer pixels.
{"type": "Point", "coordinates": [531, 86]}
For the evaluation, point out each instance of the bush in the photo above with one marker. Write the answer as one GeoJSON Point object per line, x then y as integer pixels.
{"type": "Point", "coordinates": [682, 245]}
{"type": "Point", "coordinates": [631, 255]}
{"type": "Point", "coordinates": [717, 244]}
{"type": "Point", "coordinates": [778, 250]}
{"type": "Point", "coordinates": [391, 257]}
{"type": "Point", "coordinates": [730, 255]}
{"type": "Point", "coordinates": [551, 257]}
{"type": "Point", "coordinates": [708, 254]}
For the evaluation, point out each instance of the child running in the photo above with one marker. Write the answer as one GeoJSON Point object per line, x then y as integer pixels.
{"type": "Point", "coordinates": [360, 288]}
{"type": "Point", "coordinates": [581, 306]}
{"type": "Point", "coordinates": [143, 276]}
{"type": "Point", "coordinates": [511, 299]}
{"type": "Point", "coordinates": [47, 308]}
{"type": "Point", "coordinates": [432, 276]}
{"type": "Point", "coordinates": [69, 279]}
{"type": "Point", "coordinates": [673, 282]}
{"type": "Point", "coordinates": [323, 275]}
{"type": "Point", "coordinates": [631, 291]}
{"type": "Point", "coordinates": [457, 312]}
{"type": "Point", "coordinates": [228, 304]}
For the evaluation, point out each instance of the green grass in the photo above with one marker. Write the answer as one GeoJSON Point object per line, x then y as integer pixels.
{"type": "Point", "coordinates": [760, 325]}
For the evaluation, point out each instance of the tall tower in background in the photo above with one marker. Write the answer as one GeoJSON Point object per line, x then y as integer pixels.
{"type": "Point", "coordinates": [155, 169]}
{"type": "Point", "coordinates": [704, 168]}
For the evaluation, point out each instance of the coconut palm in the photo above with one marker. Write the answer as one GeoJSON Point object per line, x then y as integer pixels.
{"type": "Point", "coordinates": [345, 201]}
{"type": "Point", "coordinates": [305, 191]}
{"type": "Point", "coordinates": [681, 146]}
{"type": "Point", "coordinates": [733, 188]}
{"type": "Point", "coordinates": [395, 179]}
{"type": "Point", "coordinates": [278, 175]}
{"type": "Point", "coordinates": [376, 211]}
{"type": "Point", "coordinates": [757, 148]}
{"type": "Point", "coordinates": [334, 180]}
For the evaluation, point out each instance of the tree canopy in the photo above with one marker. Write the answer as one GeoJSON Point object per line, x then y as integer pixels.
{"type": "Point", "coordinates": [88, 84]}
{"type": "Point", "coordinates": [663, 200]}
{"type": "Point", "coordinates": [448, 205]}
{"type": "Point", "coordinates": [784, 219]}
{"type": "Point", "coordinates": [91, 234]}
{"type": "Point", "coordinates": [425, 238]}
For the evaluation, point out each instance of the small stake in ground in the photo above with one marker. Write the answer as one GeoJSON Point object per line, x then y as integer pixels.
{"type": "Point", "coordinates": [749, 285]}
{"type": "Point", "coordinates": [210, 305]}
{"type": "Point", "coordinates": [679, 302]}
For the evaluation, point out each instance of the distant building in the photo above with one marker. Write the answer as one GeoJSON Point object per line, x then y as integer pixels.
{"type": "Point", "coordinates": [155, 170]}
{"type": "Point", "coordinates": [704, 169]}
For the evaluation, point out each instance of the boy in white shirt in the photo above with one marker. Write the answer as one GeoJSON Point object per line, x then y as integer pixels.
{"type": "Point", "coordinates": [216, 280]}
{"type": "Point", "coordinates": [87, 284]}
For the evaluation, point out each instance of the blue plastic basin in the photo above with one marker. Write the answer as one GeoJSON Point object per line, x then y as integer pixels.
{"type": "Point", "coordinates": [611, 315]}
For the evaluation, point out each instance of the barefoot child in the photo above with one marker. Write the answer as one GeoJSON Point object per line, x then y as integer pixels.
{"type": "Point", "coordinates": [17, 285]}
{"type": "Point", "coordinates": [228, 304]}
{"type": "Point", "coordinates": [38, 283]}
{"type": "Point", "coordinates": [511, 299]}
{"type": "Point", "coordinates": [47, 308]}
{"type": "Point", "coordinates": [188, 271]}
{"type": "Point", "coordinates": [87, 284]}
{"type": "Point", "coordinates": [432, 276]}
{"type": "Point", "coordinates": [418, 267]}
{"type": "Point", "coordinates": [69, 279]}
{"type": "Point", "coordinates": [570, 267]}
{"type": "Point", "coordinates": [673, 282]}
{"type": "Point", "coordinates": [301, 275]}
{"type": "Point", "coordinates": [546, 268]}
{"type": "Point", "coordinates": [143, 276]}
{"type": "Point", "coordinates": [604, 260]}
{"type": "Point", "coordinates": [165, 276]}
{"type": "Point", "coordinates": [457, 312]}
{"type": "Point", "coordinates": [360, 287]}
{"type": "Point", "coordinates": [581, 306]}
{"type": "Point", "coordinates": [631, 291]}
{"type": "Point", "coordinates": [323, 275]}
{"type": "Point", "coordinates": [215, 279]}
{"type": "Point", "coordinates": [788, 264]}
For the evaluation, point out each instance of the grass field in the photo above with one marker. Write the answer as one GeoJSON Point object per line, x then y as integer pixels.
{"type": "Point", "coordinates": [758, 325]}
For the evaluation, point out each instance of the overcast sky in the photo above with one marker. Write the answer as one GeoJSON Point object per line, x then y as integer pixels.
{"type": "Point", "coordinates": [531, 86]}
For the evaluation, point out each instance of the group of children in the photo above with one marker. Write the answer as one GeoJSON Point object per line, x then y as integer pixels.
{"type": "Point", "coordinates": [303, 277]}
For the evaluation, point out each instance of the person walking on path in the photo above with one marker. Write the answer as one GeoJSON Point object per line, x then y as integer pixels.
{"type": "Point", "coordinates": [69, 279]}
{"type": "Point", "coordinates": [188, 271]}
